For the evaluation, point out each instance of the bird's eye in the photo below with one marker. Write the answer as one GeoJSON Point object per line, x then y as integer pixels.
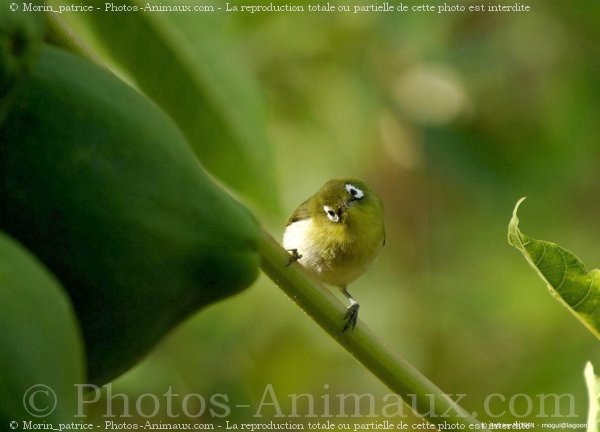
{"type": "Point", "coordinates": [333, 217]}
{"type": "Point", "coordinates": [355, 192]}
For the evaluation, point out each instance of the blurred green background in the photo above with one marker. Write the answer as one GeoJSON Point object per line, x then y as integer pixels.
{"type": "Point", "coordinates": [451, 118]}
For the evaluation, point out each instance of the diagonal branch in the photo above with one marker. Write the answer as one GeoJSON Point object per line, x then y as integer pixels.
{"type": "Point", "coordinates": [399, 375]}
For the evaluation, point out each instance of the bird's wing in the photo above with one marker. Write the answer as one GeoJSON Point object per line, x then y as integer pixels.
{"type": "Point", "coordinates": [301, 213]}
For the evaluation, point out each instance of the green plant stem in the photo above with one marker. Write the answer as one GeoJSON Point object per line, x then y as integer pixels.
{"type": "Point", "coordinates": [424, 397]}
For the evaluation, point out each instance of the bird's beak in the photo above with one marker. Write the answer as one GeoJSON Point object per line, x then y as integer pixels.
{"type": "Point", "coordinates": [347, 204]}
{"type": "Point", "coordinates": [344, 207]}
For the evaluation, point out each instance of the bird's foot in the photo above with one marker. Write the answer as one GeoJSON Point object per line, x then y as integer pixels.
{"type": "Point", "coordinates": [295, 256]}
{"type": "Point", "coordinates": [351, 317]}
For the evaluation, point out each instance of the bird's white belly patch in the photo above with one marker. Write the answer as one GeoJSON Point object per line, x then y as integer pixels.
{"type": "Point", "coordinates": [297, 236]}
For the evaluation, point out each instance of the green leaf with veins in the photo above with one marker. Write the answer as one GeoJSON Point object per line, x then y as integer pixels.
{"type": "Point", "coordinates": [566, 276]}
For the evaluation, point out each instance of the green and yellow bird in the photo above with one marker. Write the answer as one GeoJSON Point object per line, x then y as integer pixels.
{"type": "Point", "coordinates": [336, 234]}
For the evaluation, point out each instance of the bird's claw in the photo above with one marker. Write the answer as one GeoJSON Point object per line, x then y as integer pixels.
{"type": "Point", "coordinates": [295, 256]}
{"type": "Point", "coordinates": [351, 317]}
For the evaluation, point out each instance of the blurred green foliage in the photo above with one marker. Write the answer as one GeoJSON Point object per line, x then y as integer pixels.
{"type": "Point", "coordinates": [593, 386]}
{"type": "Point", "coordinates": [451, 117]}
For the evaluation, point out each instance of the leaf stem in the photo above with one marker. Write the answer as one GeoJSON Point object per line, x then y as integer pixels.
{"type": "Point", "coordinates": [425, 398]}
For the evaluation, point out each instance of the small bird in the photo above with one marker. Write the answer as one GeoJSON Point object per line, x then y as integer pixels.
{"type": "Point", "coordinates": [336, 234]}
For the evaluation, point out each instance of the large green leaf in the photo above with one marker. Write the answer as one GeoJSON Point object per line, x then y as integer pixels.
{"type": "Point", "coordinates": [564, 273]}
{"type": "Point", "coordinates": [41, 346]}
{"type": "Point", "coordinates": [592, 381]}
{"type": "Point", "coordinates": [184, 63]}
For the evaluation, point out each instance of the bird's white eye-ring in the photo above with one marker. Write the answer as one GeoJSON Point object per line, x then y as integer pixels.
{"type": "Point", "coordinates": [331, 214]}
{"type": "Point", "coordinates": [355, 192]}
